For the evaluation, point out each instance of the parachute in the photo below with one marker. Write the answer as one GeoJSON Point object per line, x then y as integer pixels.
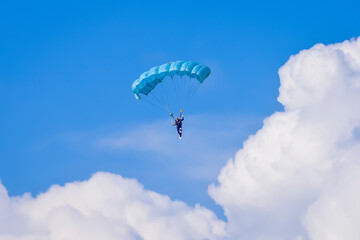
{"type": "Point", "coordinates": [170, 86]}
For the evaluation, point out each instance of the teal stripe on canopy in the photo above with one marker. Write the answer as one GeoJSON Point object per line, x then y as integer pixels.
{"type": "Point", "coordinates": [148, 80]}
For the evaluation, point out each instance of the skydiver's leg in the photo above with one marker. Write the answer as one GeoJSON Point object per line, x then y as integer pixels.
{"type": "Point", "coordinates": [180, 131]}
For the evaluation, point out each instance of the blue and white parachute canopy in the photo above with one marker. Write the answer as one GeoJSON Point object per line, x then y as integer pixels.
{"type": "Point", "coordinates": [150, 79]}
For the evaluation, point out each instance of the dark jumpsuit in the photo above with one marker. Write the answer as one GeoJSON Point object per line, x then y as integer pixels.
{"type": "Point", "coordinates": [178, 124]}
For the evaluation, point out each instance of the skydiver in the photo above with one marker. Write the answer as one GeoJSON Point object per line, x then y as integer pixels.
{"type": "Point", "coordinates": [178, 122]}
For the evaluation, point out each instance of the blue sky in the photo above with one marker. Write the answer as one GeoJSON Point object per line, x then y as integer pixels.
{"type": "Point", "coordinates": [66, 69]}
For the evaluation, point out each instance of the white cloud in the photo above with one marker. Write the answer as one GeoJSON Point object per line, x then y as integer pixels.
{"type": "Point", "coordinates": [336, 212]}
{"type": "Point", "coordinates": [267, 189]}
{"type": "Point", "coordinates": [106, 206]}
{"type": "Point", "coordinates": [296, 178]}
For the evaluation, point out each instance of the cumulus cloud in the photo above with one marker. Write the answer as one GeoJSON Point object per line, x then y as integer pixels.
{"type": "Point", "coordinates": [292, 179]}
{"type": "Point", "coordinates": [106, 206]}
{"type": "Point", "coordinates": [296, 178]}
